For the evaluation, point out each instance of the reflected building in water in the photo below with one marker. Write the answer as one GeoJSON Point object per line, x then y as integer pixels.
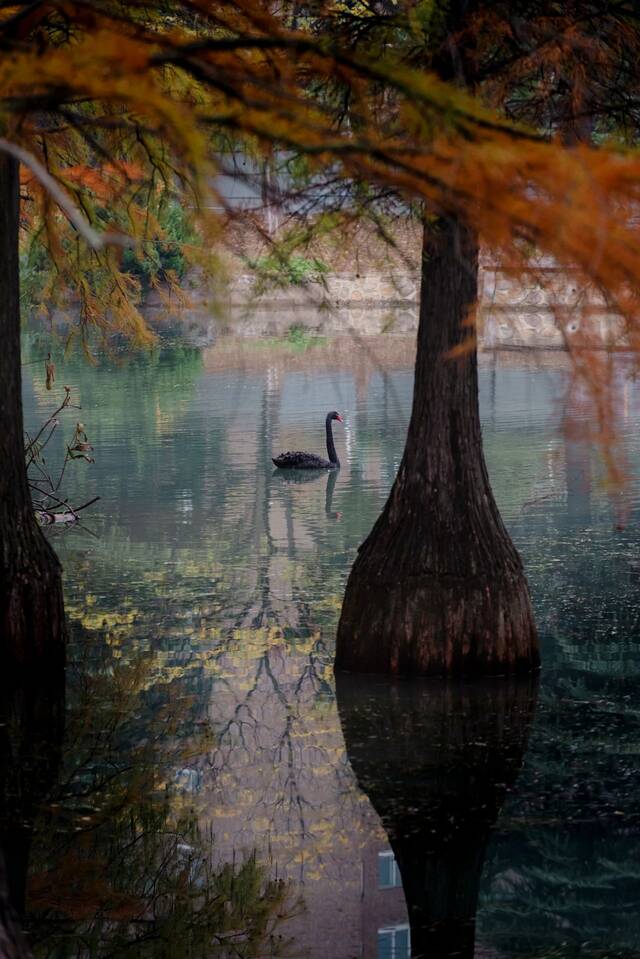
{"type": "Point", "coordinates": [278, 779]}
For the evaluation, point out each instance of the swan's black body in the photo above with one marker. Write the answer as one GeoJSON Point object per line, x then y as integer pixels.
{"type": "Point", "coordinates": [298, 460]}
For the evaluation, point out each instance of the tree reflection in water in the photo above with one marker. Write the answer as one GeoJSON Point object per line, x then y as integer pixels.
{"type": "Point", "coordinates": [119, 865]}
{"type": "Point", "coordinates": [436, 760]}
{"type": "Point", "coordinates": [229, 579]}
{"type": "Point", "coordinates": [31, 731]}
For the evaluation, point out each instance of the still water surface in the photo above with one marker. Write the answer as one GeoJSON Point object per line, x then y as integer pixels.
{"type": "Point", "coordinates": [215, 796]}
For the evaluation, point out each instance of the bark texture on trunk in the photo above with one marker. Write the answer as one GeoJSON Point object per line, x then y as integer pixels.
{"type": "Point", "coordinates": [436, 760]}
{"type": "Point", "coordinates": [438, 587]}
{"type": "Point", "coordinates": [32, 628]}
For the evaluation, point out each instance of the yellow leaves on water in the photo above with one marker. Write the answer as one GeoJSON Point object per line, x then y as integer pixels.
{"type": "Point", "coordinates": [103, 620]}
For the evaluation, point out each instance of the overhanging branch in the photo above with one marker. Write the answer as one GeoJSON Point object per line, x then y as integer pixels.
{"type": "Point", "coordinates": [97, 241]}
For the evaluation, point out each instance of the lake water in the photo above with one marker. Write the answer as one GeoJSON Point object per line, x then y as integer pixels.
{"type": "Point", "coordinates": [214, 797]}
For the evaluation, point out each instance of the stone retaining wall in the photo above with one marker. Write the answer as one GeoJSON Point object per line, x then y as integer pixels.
{"type": "Point", "coordinates": [512, 314]}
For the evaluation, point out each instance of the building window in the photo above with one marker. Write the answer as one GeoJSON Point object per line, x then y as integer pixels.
{"type": "Point", "coordinates": [394, 942]}
{"type": "Point", "coordinates": [388, 872]}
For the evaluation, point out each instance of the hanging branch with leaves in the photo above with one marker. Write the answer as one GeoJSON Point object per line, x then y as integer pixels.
{"type": "Point", "coordinates": [124, 106]}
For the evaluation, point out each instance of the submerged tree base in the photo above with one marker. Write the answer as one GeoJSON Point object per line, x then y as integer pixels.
{"type": "Point", "coordinates": [425, 625]}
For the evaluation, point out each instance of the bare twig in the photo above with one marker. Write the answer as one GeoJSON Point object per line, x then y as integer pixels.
{"type": "Point", "coordinates": [64, 466]}
{"type": "Point", "coordinates": [50, 506]}
{"type": "Point", "coordinates": [90, 502]}
{"type": "Point", "coordinates": [56, 500]}
{"type": "Point", "coordinates": [66, 402]}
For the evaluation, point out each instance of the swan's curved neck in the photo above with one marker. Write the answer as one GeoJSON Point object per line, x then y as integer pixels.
{"type": "Point", "coordinates": [331, 449]}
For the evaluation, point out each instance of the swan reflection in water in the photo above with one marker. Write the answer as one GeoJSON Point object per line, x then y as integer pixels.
{"type": "Point", "coordinates": [436, 760]}
{"type": "Point", "coordinates": [298, 477]}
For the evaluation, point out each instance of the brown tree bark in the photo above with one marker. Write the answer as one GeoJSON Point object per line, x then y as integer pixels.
{"type": "Point", "coordinates": [438, 587]}
{"type": "Point", "coordinates": [32, 627]}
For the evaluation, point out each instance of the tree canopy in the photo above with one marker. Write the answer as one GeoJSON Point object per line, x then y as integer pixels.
{"type": "Point", "coordinates": [111, 108]}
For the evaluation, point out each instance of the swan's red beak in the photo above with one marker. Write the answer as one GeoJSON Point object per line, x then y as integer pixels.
{"type": "Point", "coordinates": [339, 418]}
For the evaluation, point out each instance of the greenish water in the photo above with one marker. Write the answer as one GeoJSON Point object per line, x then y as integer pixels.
{"type": "Point", "coordinates": [212, 796]}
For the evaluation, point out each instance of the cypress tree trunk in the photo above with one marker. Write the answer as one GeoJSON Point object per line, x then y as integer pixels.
{"type": "Point", "coordinates": [32, 628]}
{"type": "Point", "coordinates": [438, 587]}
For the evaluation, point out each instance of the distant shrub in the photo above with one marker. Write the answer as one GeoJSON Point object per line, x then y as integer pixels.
{"type": "Point", "coordinates": [300, 338]}
{"type": "Point", "coordinates": [35, 266]}
{"type": "Point", "coordinates": [163, 255]}
{"type": "Point", "coordinates": [158, 257]}
{"type": "Point", "coordinates": [288, 271]}
{"type": "Point", "coordinates": [297, 338]}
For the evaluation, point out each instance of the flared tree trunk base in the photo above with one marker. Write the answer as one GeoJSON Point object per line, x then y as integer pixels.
{"type": "Point", "coordinates": [430, 626]}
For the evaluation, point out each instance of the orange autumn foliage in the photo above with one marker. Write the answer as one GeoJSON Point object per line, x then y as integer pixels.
{"type": "Point", "coordinates": [123, 102]}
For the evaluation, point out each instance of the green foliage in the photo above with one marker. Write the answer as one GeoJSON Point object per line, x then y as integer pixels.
{"type": "Point", "coordinates": [427, 21]}
{"type": "Point", "coordinates": [301, 339]}
{"type": "Point", "coordinates": [298, 339]}
{"type": "Point", "coordinates": [163, 254]}
{"type": "Point", "coordinates": [283, 271]}
{"type": "Point", "coordinates": [35, 267]}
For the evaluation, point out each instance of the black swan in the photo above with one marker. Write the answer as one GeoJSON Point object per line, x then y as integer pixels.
{"type": "Point", "coordinates": [309, 461]}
